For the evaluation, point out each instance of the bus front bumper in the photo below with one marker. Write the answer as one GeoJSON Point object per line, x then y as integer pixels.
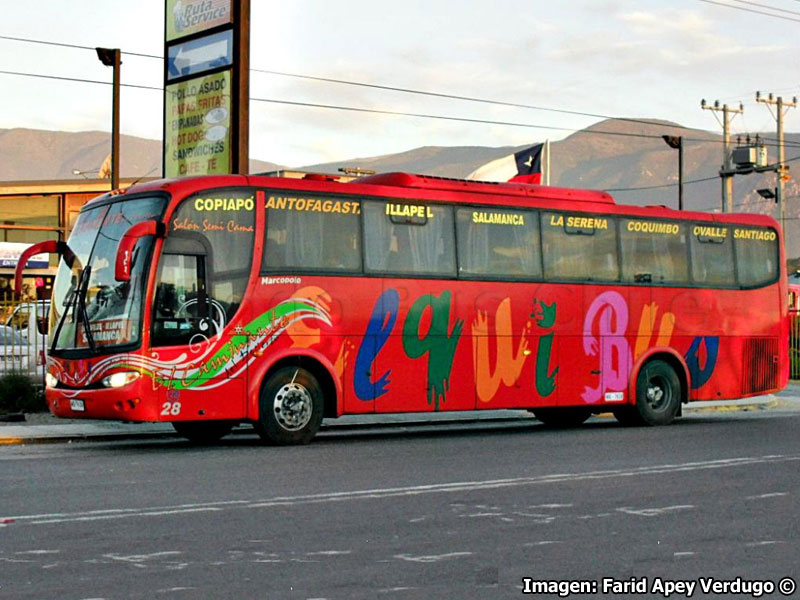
{"type": "Point", "coordinates": [120, 404]}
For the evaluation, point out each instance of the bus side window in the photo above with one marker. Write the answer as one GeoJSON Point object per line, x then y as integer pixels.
{"type": "Point", "coordinates": [409, 246]}
{"type": "Point", "coordinates": [654, 252]}
{"type": "Point", "coordinates": [712, 255]}
{"type": "Point", "coordinates": [498, 243]}
{"type": "Point", "coordinates": [312, 240]}
{"type": "Point", "coordinates": [579, 247]}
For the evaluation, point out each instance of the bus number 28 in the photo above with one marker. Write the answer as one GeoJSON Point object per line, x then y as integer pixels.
{"type": "Point", "coordinates": [170, 409]}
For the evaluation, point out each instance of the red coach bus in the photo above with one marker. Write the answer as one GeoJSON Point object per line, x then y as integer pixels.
{"type": "Point", "coordinates": [212, 301]}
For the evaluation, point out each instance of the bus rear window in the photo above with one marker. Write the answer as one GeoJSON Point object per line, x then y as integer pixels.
{"type": "Point", "coordinates": [756, 255]}
{"type": "Point", "coordinates": [312, 233]}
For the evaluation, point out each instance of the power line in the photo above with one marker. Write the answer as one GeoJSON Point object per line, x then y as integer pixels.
{"type": "Point", "coordinates": [388, 112]}
{"type": "Point", "coordinates": [63, 45]}
{"type": "Point", "coordinates": [661, 186]}
{"type": "Point", "coordinates": [356, 109]}
{"type": "Point", "coordinates": [775, 8]}
{"type": "Point", "coordinates": [750, 10]}
{"type": "Point", "coordinates": [669, 185]}
{"type": "Point", "coordinates": [388, 88]}
{"type": "Point", "coordinates": [380, 87]}
{"type": "Point", "coordinates": [401, 90]}
{"type": "Point", "coordinates": [460, 97]}
{"type": "Point", "coordinates": [79, 80]}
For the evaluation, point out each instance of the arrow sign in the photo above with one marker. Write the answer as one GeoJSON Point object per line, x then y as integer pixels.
{"type": "Point", "coordinates": [200, 55]}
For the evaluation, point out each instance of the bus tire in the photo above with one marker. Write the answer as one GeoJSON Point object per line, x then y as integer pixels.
{"type": "Point", "coordinates": [563, 417]}
{"type": "Point", "coordinates": [658, 396]}
{"type": "Point", "coordinates": [203, 432]}
{"type": "Point", "coordinates": [290, 407]}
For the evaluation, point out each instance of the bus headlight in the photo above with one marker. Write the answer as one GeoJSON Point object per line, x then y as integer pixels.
{"type": "Point", "coordinates": [50, 380]}
{"type": "Point", "coordinates": [120, 379]}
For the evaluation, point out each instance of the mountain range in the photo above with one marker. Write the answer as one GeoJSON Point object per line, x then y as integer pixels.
{"type": "Point", "coordinates": [626, 157]}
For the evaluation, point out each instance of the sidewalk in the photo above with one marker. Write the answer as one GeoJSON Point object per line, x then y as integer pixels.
{"type": "Point", "coordinates": [44, 428]}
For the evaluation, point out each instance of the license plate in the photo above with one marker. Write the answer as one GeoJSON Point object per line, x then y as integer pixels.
{"type": "Point", "coordinates": [77, 405]}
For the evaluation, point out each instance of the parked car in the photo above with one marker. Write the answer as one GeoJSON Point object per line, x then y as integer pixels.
{"type": "Point", "coordinates": [23, 345]}
{"type": "Point", "coordinates": [20, 316]}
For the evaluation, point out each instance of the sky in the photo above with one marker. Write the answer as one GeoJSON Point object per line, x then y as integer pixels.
{"type": "Point", "coordinates": [616, 58]}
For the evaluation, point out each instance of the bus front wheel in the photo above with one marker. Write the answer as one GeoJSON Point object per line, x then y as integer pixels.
{"type": "Point", "coordinates": [290, 407]}
{"type": "Point", "coordinates": [658, 396]}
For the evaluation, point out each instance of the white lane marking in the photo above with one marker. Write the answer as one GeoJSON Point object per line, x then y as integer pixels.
{"type": "Point", "coordinates": [764, 543]}
{"type": "Point", "coordinates": [770, 495]}
{"type": "Point", "coordinates": [542, 543]}
{"type": "Point", "coordinates": [381, 493]}
{"type": "Point", "coordinates": [139, 558]}
{"type": "Point", "coordinates": [679, 554]}
{"type": "Point", "coordinates": [432, 558]}
{"type": "Point", "coordinates": [654, 512]}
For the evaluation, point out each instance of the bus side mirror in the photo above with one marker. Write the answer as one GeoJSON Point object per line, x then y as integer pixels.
{"type": "Point", "coordinates": [50, 247]}
{"type": "Point", "coordinates": [123, 262]}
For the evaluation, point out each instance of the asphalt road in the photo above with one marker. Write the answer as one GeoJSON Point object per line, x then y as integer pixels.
{"type": "Point", "coordinates": [465, 511]}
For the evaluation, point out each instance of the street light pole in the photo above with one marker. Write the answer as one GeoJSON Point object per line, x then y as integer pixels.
{"type": "Point", "coordinates": [110, 57]}
{"type": "Point", "coordinates": [676, 141]}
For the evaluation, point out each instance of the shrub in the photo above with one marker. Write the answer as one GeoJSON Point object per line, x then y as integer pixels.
{"type": "Point", "coordinates": [18, 393]}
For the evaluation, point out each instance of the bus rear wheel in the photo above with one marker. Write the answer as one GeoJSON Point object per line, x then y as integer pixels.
{"type": "Point", "coordinates": [658, 396]}
{"type": "Point", "coordinates": [203, 432]}
{"type": "Point", "coordinates": [562, 418]}
{"type": "Point", "coordinates": [290, 407]}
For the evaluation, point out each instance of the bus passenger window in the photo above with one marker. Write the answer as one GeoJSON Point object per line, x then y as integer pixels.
{"type": "Point", "coordinates": [712, 255]}
{"type": "Point", "coordinates": [315, 234]}
{"type": "Point", "coordinates": [498, 243]}
{"type": "Point", "coordinates": [579, 247]}
{"type": "Point", "coordinates": [414, 245]}
{"type": "Point", "coordinates": [654, 252]}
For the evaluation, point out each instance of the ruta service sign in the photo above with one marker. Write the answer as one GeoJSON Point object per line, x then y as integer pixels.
{"type": "Point", "coordinates": [185, 17]}
{"type": "Point", "coordinates": [198, 126]}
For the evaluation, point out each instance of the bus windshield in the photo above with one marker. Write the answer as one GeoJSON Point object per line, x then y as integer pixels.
{"type": "Point", "coordinates": [90, 309]}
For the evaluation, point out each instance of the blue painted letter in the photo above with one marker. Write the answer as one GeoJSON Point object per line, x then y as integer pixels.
{"type": "Point", "coordinates": [380, 326]}
{"type": "Point", "coordinates": [701, 376]}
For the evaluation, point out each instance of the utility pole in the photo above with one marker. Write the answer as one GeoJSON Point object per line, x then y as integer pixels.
{"type": "Point", "coordinates": [676, 142]}
{"type": "Point", "coordinates": [110, 57]}
{"type": "Point", "coordinates": [781, 171]}
{"type": "Point", "coordinates": [727, 171]}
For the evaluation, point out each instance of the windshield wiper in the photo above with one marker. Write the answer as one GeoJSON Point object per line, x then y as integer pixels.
{"type": "Point", "coordinates": [82, 305]}
{"type": "Point", "coordinates": [76, 302]}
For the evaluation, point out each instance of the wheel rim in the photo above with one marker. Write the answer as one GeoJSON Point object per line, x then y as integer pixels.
{"type": "Point", "coordinates": [658, 393]}
{"type": "Point", "coordinates": [293, 406]}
